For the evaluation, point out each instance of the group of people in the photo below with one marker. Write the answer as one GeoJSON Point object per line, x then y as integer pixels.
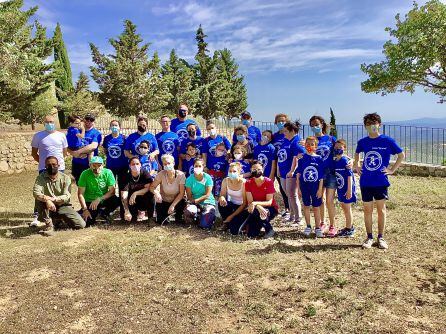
{"type": "Point", "coordinates": [179, 174]}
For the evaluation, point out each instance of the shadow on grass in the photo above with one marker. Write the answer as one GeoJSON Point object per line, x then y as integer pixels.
{"type": "Point", "coordinates": [282, 247]}
{"type": "Point", "coordinates": [18, 232]}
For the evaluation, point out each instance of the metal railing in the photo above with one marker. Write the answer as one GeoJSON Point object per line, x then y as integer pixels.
{"type": "Point", "coordinates": [421, 144]}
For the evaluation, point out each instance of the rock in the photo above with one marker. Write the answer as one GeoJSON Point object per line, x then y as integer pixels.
{"type": "Point", "coordinates": [3, 166]}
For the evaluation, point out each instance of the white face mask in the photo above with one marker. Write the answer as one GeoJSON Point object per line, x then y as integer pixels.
{"type": "Point", "coordinates": [219, 153]}
{"type": "Point", "coordinates": [198, 170]}
{"type": "Point", "coordinates": [238, 156]}
{"type": "Point", "coordinates": [135, 168]}
{"type": "Point", "coordinates": [212, 132]}
{"type": "Point", "coordinates": [265, 140]}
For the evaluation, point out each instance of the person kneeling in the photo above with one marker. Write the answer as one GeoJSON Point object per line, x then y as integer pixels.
{"type": "Point", "coordinates": [52, 190]}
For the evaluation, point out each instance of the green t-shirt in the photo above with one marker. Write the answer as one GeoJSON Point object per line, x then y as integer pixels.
{"type": "Point", "coordinates": [96, 186]}
{"type": "Point", "coordinates": [198, 188]}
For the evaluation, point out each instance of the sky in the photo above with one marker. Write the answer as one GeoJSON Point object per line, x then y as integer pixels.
{"type": "Point", "coordinates": [298, 57]}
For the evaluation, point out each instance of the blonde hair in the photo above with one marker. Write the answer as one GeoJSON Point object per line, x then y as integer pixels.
{"type": "Point", "coordinates": [167, 158]}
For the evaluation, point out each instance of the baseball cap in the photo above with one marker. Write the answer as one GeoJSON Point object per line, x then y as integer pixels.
{"type": "Point", "coordinates": [246, 113]}
{"type": "Point", "coordinates": [96, 160]}
{"type": "Point", "coordinates": [90, 117]}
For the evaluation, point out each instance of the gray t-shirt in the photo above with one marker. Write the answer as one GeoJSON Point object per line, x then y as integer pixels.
{"type": "Point", "coordinates": [170, 190]}
{"type": "Point", "coordinates": [50, 144]}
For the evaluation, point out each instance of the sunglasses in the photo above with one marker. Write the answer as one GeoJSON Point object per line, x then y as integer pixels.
{"type": "Point", "coordinates": [89, 119]}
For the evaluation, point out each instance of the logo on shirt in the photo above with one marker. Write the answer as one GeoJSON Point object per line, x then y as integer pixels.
{"type": "Point", "coordinates": [340, 180]}
{"type": "Point", "coordinates": [102, 184]}
{"type": "Point", "coordinates": [168, 147]}
{"type": "Point", "coordinates": [182, 134]}
{"type": "Point", "coordinates": [282, 155]}
{"type": "Point", "coordinates": [212, 150]}
{"type": "Point", "coordinates": [373, 161]}
{"type": "Point", "coordinates": [191, 169]}
{"type": "Point", "coordinates": [310, 174]}
{"type": "Point", "coordinates": [114, 152]}
{"type": "Point", "coordinates": [263, 159]}
{"type": "Point", "coordinates": [323, 151]}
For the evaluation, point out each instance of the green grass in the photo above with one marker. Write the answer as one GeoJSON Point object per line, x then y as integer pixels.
{"type": "Point", "coordinates": [135, 279]}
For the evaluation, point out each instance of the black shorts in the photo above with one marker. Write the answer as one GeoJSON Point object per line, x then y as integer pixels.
{"type": "Point", "coordinates": [374, 193]}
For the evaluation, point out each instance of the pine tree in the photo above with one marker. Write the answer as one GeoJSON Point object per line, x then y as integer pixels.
{"type": "Point", "coordinates": [64, 80]}
{"type": "Point", "coordinates": [333, 131]}
{"type": "Point", "coordinates": [158, 94]}
{"type": "Point", "coordinates": [125, 78]}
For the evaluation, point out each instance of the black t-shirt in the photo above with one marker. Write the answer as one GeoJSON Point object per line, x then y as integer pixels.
{"type": "Point", "coordinates": [133, 184]}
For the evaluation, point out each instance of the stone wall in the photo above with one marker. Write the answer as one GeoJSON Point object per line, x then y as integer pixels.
{"type": "Point", "coordinates": [419, 169]}
{"type": "Point", "coordinates": [15, 153]}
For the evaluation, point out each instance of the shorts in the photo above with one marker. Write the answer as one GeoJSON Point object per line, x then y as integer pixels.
{"type": "Point", "coordinates": [330, 179]}
{"type": "Point", "coordinates": [309, 197]}
{"type": "Point", "coordinates": [374, 193]}
{"type": "Point", "coordinates": [343, 199]}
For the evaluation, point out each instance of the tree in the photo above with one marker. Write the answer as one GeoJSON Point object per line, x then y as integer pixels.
{"type": "Point", "coordinates": [333, 131]}
{"type": "Point", "coordinates": [415, 57]}
{"type": "Point", "coordinates": [64, 80]}
{"type": "Point", "coordinates": [128, 80]}
{"type": "Point", "coordinates": [25, 73]}
{"type": "Point", "coordinates": [178, 77]}
{"type": "Point", "coordinates": [80, 100]}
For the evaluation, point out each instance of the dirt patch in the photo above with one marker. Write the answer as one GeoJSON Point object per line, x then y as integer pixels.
{"type": "Point", "coordinates": [38, 275]}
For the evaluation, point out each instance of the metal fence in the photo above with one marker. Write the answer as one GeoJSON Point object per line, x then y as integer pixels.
{"type": "Point", "coordinates": [420, 144]}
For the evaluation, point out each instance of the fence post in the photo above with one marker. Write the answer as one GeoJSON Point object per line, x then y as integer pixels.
{"type": "Point", "coordinates": [384, 129]}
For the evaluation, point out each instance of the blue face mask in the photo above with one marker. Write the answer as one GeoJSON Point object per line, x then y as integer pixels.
{"type": "Point", "coordinates": [241, 138]}
{"type": "Point", "coordinates": [114, 129]}
{"type": "Point", "coordinates": [233, 175]}
{"type": "Point", "coordinates": [338, 151]}
{"type": "Point", "coordinates": [280, 125]}
{"type": "Point", "coordinates": [246, 122]}
{"type": "Point", "coordinates": [50, 127]}
{"type": "Point", "coordinates": [316, 129]}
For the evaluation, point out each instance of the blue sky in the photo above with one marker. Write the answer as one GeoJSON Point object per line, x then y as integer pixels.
{"type": "Point", "coordinates": [300, 57]}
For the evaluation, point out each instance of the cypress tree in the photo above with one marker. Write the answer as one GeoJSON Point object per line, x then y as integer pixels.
{"type": "Point", "coordinates": [64, 80]}
{"type": "Point", "coordinates": [333, 131]}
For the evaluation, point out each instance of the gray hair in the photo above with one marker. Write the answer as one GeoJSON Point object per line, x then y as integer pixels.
{"type": "Point", "coordinates": [167, 158]}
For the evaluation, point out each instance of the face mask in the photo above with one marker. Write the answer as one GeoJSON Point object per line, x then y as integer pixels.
{"type": "Point", "coordinates": [338, 151]}
{"type": "Point", "coordinates": [168, 167]}
{"type": "Point", "coordinates": [256, 173]}
{"type": "Point", "coordinates": [143, 151]}
{"type": "Point", "coordinates": [233, 176]}
{"type": "Point", "coordinates": [310, 149]}
{"type": "Point", "coordinates": [241, 138]}
{"type": "Point", "coordinates": [142, 128]}
{"type": "Point", "coordinates": [219, 153]}
{"type": "Point", "coordinates": [246, 122]}
{"type": "Point", "coordinates": [372, 129]}
{"type": "Point", "coordinates": [191, 133]}
{"type": "Point", "coordinates": [198, 170]}
{"type": "Point", "coordinates": [182, 113]}
{"type": "Point", "coordinates": [98, 170]}
{"type": "Point", "coordinates": [280, 125]}
{"type": "Point", "coordinates": [51, 170]}
{"type": "Point", "coordinates": [316, 129]}
{"type": "Point", "coordinates": [135, 168]}
{"type": "Point", "coordinates": [50, 127]}
{"type": "Point", "coordinates": [238, 156]}
{"type": "Point", "coordinates": [265, 140]}
{"type": "Point", "coordinates": [114, 129]}
{"type": "Point", "coordinates": [212, 132]}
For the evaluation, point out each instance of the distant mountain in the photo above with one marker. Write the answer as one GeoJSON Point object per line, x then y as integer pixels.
{"type": "Point", "coordinates": [425, 121]}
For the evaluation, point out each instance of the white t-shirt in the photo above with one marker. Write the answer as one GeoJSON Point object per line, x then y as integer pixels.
{"type": "Point", "coordinates": [50, 144]}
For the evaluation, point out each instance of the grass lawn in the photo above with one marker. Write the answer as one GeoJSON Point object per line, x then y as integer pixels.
{"type": "Point", "coordinates": [174, 279]}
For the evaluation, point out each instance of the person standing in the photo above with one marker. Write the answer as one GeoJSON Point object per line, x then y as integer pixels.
{"type": "Point", "coordinates": [179, 124]}
{"type": "Point", "coordinates": [133, 140]}
{"type": "Point", "coordinates": [48, 142]}
{"type": "Point", "coordinates": [168, 142]}
{"type": "Point", "coordinates": [254, 133]}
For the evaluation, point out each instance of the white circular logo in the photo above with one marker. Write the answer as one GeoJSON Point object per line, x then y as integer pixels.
{"type": "Point", "coordinates": [102, 184]}
{"type": "Point", "coordinates": [114, 152]}
{"type": "Point", "coordinates": [282, 155]}
{"type": "Point", "coordinates": [263, 159]}
{"type": "Point", "coordinates": [168, 147]}
{"type": "Point", "coordinates": [212, 150]}
{"type": "Point", "coordinates": [373, 161]}
{"type": "Point", "coordinates": [191, 169]}
{"type": "Point", "coordinates": [340, 180]}
{"type": "Point", "coordinates": [323, 151]}
{"type": "Point", "coordinates": [182, 134]}
{"type": "Point", "coordinates": [310, 174]}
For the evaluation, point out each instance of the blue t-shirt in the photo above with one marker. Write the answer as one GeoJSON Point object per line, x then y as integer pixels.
{"type": "Point", "coordinates": [310, 168]}
{"type": "Point", "coordinates": [377, 153]}
{"type": "Point", "coordinates": [74, 142]}
{"type": "Point", "coordinates": [133, 140]}
{"type": "Point", "coordinates": [91, 136]}
{"type": "Point", "coordinates": [277, 140]}
{"type": "Point", "coordinates": [218, 164]}
{"type": "Point", "coordinates": [325, 148]}
{"type": "Point", "coordinates": [246, 166]}
{"type": "Point", "coordinates": [254, 135]}
{"type": "Point", "coordinates": [115, 151]}
{"type": "Point", "coordinates": [198, 144]}
{"type": "Point", "coordinates": [147, 165]}
{"type": "Point", "coordinates": [288, 150]}
{"type": "Point", "coordinates": [168, 143]}
{"type": "Point", "coordinates": [188, 166]}
{"type": "Point", "coordinates": [180, 128]}
{"type": "Point", "coordinates": [266, 154]}
{"type": "Point", "coordinates": [209, 146]}
{"type": "Point", "coordinates": [342, 174]}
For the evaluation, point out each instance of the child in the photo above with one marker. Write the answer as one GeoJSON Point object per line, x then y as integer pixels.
{"type": "Point", "coordinates": [310, 182]}
{"type": "Point", "coordinates": [187, 164]}
{"type": "Point", "coordinates": [146, 164]}
{"type": "Point", "coordinates": [265, 152]}
{"type": "Point", "coordinates": [346, 187]}
{"type": "Point", "coordinates": [374, 183]}
{"type": "Point", "coordinates": [239, 154]}
{"type": "Point", "coordinates": [217, 167]}
{"type": "Point", "coordinates": [76, 133]}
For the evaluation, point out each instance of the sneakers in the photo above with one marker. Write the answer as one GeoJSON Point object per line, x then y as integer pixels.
{"type": "Point", "coordinates": [285, 216]}
{"type": "Point", "coordinates": [323, 227]}
{"type": "Point", "coordinates": [307, 231]}
{"type": "Point", "coordinates": [382, 244]}
{"type": "Point", "coordinates": [35, 222]}
{"type": "Point", "coordinates": [319, 233]}
{"type": "Point", "coordinates": [141, 216]}
{"type": "Point", "coordinates": [332, 232]}
{"type": "Point", "coordinates": [269, 234]}
{"type": "Point", "coordinates": [346, 232]}
{"type": "Point", "coordinates": [368, 243]}
{"type": "Point", "coordinates": [48, 231]}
